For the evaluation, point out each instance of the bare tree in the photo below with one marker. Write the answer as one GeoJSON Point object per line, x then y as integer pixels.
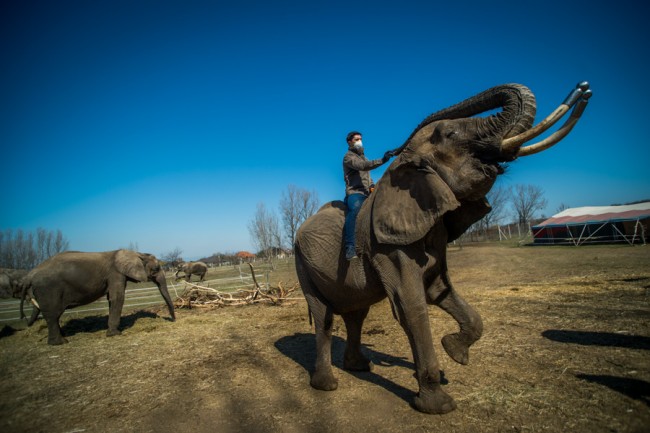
{"type": "Point", "coordinates": [172, 258]}
{"type": "Point", "coordinates": [498, 198]}
{"type": "Point", "coordinates": [265, 234]}
{"type": "Point", "coordinates": [296, 205]}
{"type": "Point", "coordinates": [526, 200]}
{"type": "Point", "coordinates": [562, 207]}
{"type": "Point", "coordinates": [22, 250]}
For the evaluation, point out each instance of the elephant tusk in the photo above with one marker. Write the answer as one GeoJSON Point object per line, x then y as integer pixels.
{"type": "Point", "coordinates": [512, 143]}
{"type": "Point", "coordinates": [560, 133]}
{"type": "Point", "coordinates": [33, 301]}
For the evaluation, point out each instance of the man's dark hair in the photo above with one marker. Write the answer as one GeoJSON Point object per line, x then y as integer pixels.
{"type": "Point", "coordinates": [352, 134]}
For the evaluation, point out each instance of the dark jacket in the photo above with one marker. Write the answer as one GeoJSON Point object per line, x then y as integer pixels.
{"type": "Point", "coordinates": [356, 169]}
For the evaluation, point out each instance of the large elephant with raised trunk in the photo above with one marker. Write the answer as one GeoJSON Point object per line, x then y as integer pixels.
{"type": "Point", "coordinates": [71, 279]}
{"type": "Point", "coordinates": [429, 195]}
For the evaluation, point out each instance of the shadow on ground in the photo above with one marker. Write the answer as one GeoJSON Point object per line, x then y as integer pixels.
{"type": "Point", "coordinates": [633, 388]}
{"type": "Point", "coordinates": [301, 348]}
{"type": "Point", "coordinates": [588, 338]}
{"type": "Point", "coordinates": [92, 324]}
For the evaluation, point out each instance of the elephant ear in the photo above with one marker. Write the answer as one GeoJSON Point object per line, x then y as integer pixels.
{"type": "Point", "coordinates": [130, 264]}
{"type": "Point", "coordinates": [408, 201]}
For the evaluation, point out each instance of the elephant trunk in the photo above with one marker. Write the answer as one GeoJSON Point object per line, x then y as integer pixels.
{"type": "Point", "coordinates": [578, 99]}
{"type": "Point", "coordinates": [517, 115]}
{"type": "Point", "coordinates": [161, 282]}
{"type": "Point", "coordinates": [512, 127]}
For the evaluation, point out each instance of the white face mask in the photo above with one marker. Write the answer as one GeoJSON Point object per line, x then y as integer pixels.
{"type": "Point", "coordinates": [358, 144]}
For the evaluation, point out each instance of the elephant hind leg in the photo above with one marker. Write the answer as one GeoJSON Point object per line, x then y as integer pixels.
{"type": "Point", "coordinates": [54, 335]}
{"type": "Point", "coordinates": [353, 359]}
{"type": "Point", "coordinates": [323, 376]}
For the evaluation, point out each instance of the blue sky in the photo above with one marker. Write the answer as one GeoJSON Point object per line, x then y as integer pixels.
{"type": "Point", "coordinates": [165, 123]}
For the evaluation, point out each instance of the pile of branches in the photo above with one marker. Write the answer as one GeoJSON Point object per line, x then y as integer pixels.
{"type": "Point", "coordinates": [195, 295]}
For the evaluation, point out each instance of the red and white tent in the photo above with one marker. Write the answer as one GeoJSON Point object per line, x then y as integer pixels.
{"type": "Point", "coordinates": [592, 224]}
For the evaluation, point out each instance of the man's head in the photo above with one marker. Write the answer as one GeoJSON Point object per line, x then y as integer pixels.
{"type": "Point", "coordinates": [353, 138]}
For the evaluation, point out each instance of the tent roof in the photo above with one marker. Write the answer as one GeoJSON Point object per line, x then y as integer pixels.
{"type": "Point", "coordinates": [596, 214]}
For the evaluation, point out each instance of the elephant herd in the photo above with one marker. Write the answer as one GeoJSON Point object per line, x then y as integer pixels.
{"type": "Point", "coordinates": [432, 192]}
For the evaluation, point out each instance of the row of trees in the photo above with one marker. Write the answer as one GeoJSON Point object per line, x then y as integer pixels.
{"type": "Point", "coordinates": [25, 250]}
{"type": "Point", "coordinates": [518, 204]}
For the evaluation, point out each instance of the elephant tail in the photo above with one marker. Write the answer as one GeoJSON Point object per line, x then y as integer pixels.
{"type": "Point", "coordinates": [300, 270]}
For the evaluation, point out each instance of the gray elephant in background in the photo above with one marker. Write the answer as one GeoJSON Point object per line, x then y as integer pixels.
{"type": "Point", "coordinates": [429, 195]}
{"type": "Point", "coordinates": [192, 268]}
{"type": "Point", "coordinates": [11, 282]}
{"type": "Point", "coordinates": [71, 279]}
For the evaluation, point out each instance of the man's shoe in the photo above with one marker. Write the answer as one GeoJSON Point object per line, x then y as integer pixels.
{"type": "Point", "coordinates": [350, 252]}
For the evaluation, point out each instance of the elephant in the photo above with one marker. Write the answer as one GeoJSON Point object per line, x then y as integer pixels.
{"type": "Point", "coordinates": [11, 282]}
{"type": "Point", "coordinates": [192, 268]}
{"type": "Point", "coordinates": [428, 196]}
{"type": "Point", "coordinates": [71, 279]}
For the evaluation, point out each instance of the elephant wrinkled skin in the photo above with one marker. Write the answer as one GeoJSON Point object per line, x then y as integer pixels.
{"type": "Point", "coordinates": [430, 194]}
{"type": "Point", "coordinates": [71, 279]}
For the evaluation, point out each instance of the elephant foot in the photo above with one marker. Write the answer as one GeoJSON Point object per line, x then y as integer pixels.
{"type": "Point", "coordinates": [357, 363]}
{"type": "Point", "coordinates": [456, 348]}
{"type": "Point", "coordinates": [113, 332]}
{"type": "Point", "coordinates": [57, 341]}
{"type": "Point", "coordinates": [324, 381]}
{"type": "Point", "coordinates": [437, 403]}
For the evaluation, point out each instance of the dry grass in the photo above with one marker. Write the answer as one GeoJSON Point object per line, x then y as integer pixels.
{"type": "Point", "coordinates": [565, 348]}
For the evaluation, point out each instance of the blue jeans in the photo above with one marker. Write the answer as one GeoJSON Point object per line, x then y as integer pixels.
{"type": "Point", "coordinates": [353, 202]}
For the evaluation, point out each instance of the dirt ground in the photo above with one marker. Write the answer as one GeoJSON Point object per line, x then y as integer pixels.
{"type": "Point", "coordinates": [566, 348]}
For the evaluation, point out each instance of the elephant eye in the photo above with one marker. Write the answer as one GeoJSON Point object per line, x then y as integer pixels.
{"type": "Point", "coordinates": [450, 134]}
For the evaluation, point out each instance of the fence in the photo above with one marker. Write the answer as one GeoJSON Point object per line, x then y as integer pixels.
{"type": "Point", "coordinates": [521, 233]}
{"type": "Point", "coordinates": [141, 297]}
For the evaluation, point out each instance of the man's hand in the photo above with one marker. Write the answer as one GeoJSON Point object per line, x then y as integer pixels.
{"type": "Point", "coordinates": [388, 155]}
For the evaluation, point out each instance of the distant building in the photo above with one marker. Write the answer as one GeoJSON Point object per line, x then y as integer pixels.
{"type": "Point", "coordinates": [245, 256]}
{"type": "Point", "coordinates": [596, 224]}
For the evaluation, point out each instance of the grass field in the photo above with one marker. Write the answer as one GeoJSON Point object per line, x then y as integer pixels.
{"type": "Point", "coordinates": [565, 348]}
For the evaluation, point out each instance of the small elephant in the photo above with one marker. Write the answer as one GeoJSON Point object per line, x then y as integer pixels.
{"type": "Point", "coordinates": [427, 197]}
{"type": "Point", "coordinates": [192, 268]}
{"type": "Point", "coordinates": [71, 279]}
{"type": "Point", "coordinates": [11, 282]}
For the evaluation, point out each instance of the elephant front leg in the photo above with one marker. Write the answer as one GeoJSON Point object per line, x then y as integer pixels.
{"type": "Point", "coordinates": [116, 302]}
{"type": "Point", "coordinates": [431, 398]}
{"type": "Point", "coordinates": [471, 326]}
{"type": "Point", "coordinates": [406, 292]}
{"type": "Point", "coordinates": [353, 359]}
